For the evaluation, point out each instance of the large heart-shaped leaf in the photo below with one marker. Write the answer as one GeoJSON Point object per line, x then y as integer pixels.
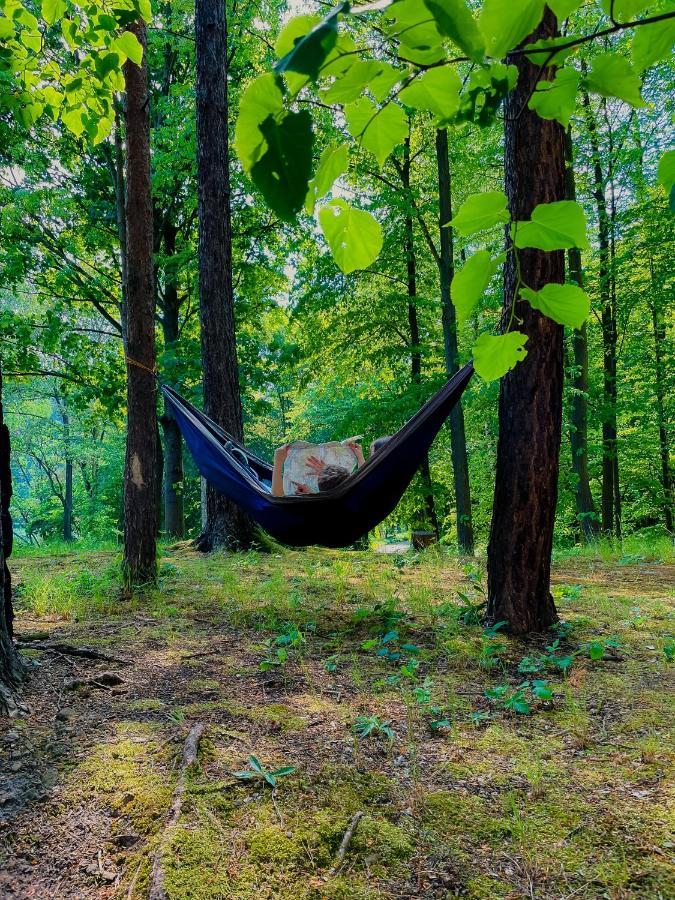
{"type": "Point", "coordinates": [480, 212]}
{"type": "Point", "coordinates": [353, 235]}
{"type": "Point", "coordinates": [282, 172]}
{"type": "Point", "coordinates": [566, 304]}
{"type": "Point", "coordinates": [553, 226]}
{"type": "Point", "coordinates": [470, 282]}
{"type": "Point", "coordinates": [495, 355]}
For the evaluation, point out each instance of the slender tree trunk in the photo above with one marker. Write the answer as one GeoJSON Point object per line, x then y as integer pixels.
{"type": "Point", "coordinates": [446, 268]}
{"type": "Point", "coordinates": [68, 485]}
{"type": "Point", "coordinates": [174, 514]}
{"type": "Point", "coordinates": [659, 331]}
{"type": "Point", "coordinates": [530, 398]}
{"type": "Point", "coordinates": [429, 517]}
{"type": "Point", "coordinates": [586, 513]}
{"type": "Point", "coordinates": [140, 490]}
{"type": "Point", "coordinates": [608, 324]}
{"type": "Point", "coordinates": [120, 203]}
{"type": "Point", "coordinates": [12, 669]}
{"type": "Point", "coordinates": [227, 525]}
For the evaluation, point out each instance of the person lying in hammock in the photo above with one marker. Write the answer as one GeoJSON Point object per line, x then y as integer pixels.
{"type": "Point", "coordinates": [328, 476]}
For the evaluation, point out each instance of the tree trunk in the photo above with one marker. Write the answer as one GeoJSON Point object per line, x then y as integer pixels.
{"type": "Point", "coordinates": [120, 215]}
{"type": "Point", "coordinates": [227, 525]}
{"type": "Point", "coordinates": [174, 514]}
{"type": "Point", "coordinates": [427, 516]}
{"type": "Point", "coordinates": [68, 486]}
{"type": "Point", "coordinates": [530, 398]}
{"type": "Point", "coordinates": [140, 490]}
{"type": "Point", "coordinates": [588, 519]}
{"type": "Point", "coordinates": [12, 670]}
{"type": "Point", "coordinates": [446, 267]}
{"type": "Point", "coordinates": [608, 324]}
{"type": "Point", "coordinates": [659, 330]}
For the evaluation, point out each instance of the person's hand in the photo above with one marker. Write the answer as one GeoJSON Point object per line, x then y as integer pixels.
{"type": "Point", "coordinates": [281, 453]}
{"type": "Point", "coordinates": [315, 466]}
{"type": "Point", "coordinates": [301, 488]}
{"type": "Point", "coordinates": [357, 451]}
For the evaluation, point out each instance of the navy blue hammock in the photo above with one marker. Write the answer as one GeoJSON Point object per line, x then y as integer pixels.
{"type": "Point", "coordinates": [335, 518]}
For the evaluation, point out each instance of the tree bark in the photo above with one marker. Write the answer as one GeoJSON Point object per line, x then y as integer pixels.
{"type": "Point", "coordinates": [609, 336]}
{"type": "Point", "coordinates": [174, 513]}
{"type": "Point", "coordinates": [227, 526]}
{"type": "Point", "coordinates": [446, 268]}
{"type": "Point", "coordinates": [428, 517]}
{"type": "Point", "coordinates": [140, 476]}
{"type": "Point", "coordinates": [530, 398]}
{"type": "Point", "coordinates": [12, 669]}
{"type": "Point", "coordinates": [659, 331]}
{"type": "Point", "coordinates": [120, 215]}
{"type": "Point", "coordinates": [588, 519]}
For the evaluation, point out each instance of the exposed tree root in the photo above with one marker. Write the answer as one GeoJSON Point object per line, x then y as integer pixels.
{"type": "Point", "coordinates": [69, 650]}
{"type": "Point", "coordinates": [346, 840]}
{"type": "Point", "coordinates": [190, 750]}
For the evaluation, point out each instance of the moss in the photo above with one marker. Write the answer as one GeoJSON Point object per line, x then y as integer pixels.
{"type": "Point", "coordinates": [278, 714]}
{"type": "Point", "coordinates": [146, 704]}
{"type": "Point", "coordinates": [271, 845]}
{"type": "Point", "coordinates": [196, 865]}
{"type": "Point", "coordinates": [126, 775]}
{"type": "Point", "coordinates": [203, 684]}
{"type": "Point", "coordinates": [486, 887]}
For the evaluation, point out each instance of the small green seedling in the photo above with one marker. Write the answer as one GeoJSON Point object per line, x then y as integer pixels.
{"type": "Point", "coordinates": [367, 726]}
{"type": "Point", "coordinates": [600, 647]}
{"type": "Point", "coordinates": [258, 771]}
{"type": "Point", "coordinates": [478, 718]}
{"type": "Point", "coordinates": [669, 650]}
{"type": "Point", "coordinates": [518, 700]}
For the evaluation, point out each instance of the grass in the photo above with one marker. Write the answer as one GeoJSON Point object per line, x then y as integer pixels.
{"type": "Point", "coordinates": [282, 654]}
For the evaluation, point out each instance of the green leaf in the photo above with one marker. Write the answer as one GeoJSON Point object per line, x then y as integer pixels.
{"type": "Point", "coordinates": [31, 39]}
{"type": "Point", "coordinates": [256, 764]}
{"type": "Point", "coordinates": [352, 84]}
{"type": "Point", "coordinates": [557, 99]}
{"type": "Point", "coordinates": [282, 172]}
{"type": "Point", "coordinates": [436, 90]}
{"type": "Point", "coordinates": [297, 28]}
{"type": "Point", "coordinates": [378, 130]}
{"type": "Point", "coordinates": [613, 76]}
{"type": "Point", "coordinates": [72, 119]}
{"type": "Point", "coordinates": [106, 63]}
{"type": "Point", "coordinates": [624, 10]}
{"type": "Point", "coordinates": [540, 51]}
{"type": "Point", "coordinates": [495, 355]}
{"type": "Point", "coordinates": [420, 40]}
{"type": "Point", "coordinates": [261, 99]}
{"type": "Point", "coordinates": [353, 235]}
{"type": "Point", "coordinates": [470, 282]}
{"type": "Point", "coordinates": [455, 20]}
{"type": "Point", "coordinates": [562, 9]}
{"type": "Point", "coordinates": [244, 775]}
{"type": "Point", "coordinates": [566, 304]}
{"type": "Point", "coordinates": [666, 171]}
{"type": "Point", "coordinates": [654, 42]}
{"type": "Point", "coordinates": [385, 80]}
{"type": "Point", "coordinates": [311, 50]}
{"type": "Point", "coordinates": [53, 10]}
{"type": "Point", "coordinates": [553, 226]}
{"type": "Point", "coordinates": [128, 47]}
{"type": "Point", "coordinates": [270, 779]}
{"type": "Point", "coordinates": [480, 212]}
{"type": "Point", "coordinates": [505, 23]}
{"type": "Point", "coordinates": [334, 162]}
{"type": "Point", "coordinates": [285, 770]}
{"type": "Point", "coordinates": [145, 9]}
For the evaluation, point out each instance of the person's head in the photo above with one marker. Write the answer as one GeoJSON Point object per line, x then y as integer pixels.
{"type": "Point", "coordinates": [331, 477]}
{"type": "Point", "coordinates": [379, 443]}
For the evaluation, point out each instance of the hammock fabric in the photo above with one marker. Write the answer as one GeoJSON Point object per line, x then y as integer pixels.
{"type": "Point", "coordinates": [335, 518]}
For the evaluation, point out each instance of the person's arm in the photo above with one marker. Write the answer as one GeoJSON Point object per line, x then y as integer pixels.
{"type": "Point", "coordinates": [280, 457]}
{"type": "Point", "coordinates": [358, 453]}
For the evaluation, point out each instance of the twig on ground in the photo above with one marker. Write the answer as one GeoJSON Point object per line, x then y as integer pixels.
{"type": "Point", "coordinates": [190, 750]}
{"type": "Point", "coordinates": [70, 650]}
{"type": "Point", "coordinates": [132, 883]}
{"type": "Point", "coordinates": [346, 840]}
{"type": "Point", "coordinates": [277, 810]}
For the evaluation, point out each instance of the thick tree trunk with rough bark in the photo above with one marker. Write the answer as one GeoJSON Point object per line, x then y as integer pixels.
{"type": "Point", "coordinates": [140, 476]}
{"type": "Point", "coordinates": [12, 669]}
{"type": "Point", "coordinates": [226, 526]}
{"type": "Point", "coordinates": [446, 267]}
{"type": "Point", "coordinates": [530, 399]}
{"type": "Point", "coordinates": [588, 519]}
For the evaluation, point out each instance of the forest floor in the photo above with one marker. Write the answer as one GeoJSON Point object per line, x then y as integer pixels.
{"type": "Point", "coordinates": [556, 789]}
